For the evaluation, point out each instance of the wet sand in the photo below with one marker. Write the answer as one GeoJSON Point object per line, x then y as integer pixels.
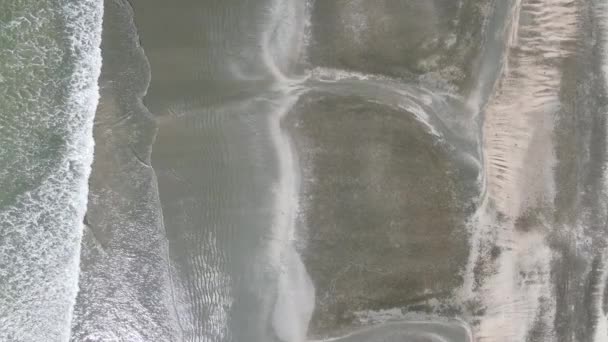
{"type": "Point", "coordinates": [218, 174]}
{"type": "Point", "coordinates": [312, 171]}
{"type": "Point", "coordinates": [125, 283]}
{"type": "Point", "coordinates": [216, 164]}
{"type": "Point", "coordinates": [371, 179]}
{"type": "Point", "coordinates": [436, 41]}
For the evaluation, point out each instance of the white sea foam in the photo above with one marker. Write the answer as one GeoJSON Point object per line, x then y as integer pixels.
{"type": "Point", "coordinates": [295, 297]}
{"type": "Point", "coordinates": [283, 45]}
{"type": "Point", "coordinates": [413, 330]}
{"type": "Point", "coordinates": [283, 40]}
{"type": "Point", "coordinates": [416, 100]}
{"type": "Point", "coordinates": [324, 74]}
{"type": "Point", "coordinates": [85, 19]}
{"type": "Point", "coordinates": [40, 244]}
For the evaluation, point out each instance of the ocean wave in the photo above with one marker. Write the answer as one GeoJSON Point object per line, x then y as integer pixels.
{"type": "Point", "coordinates": [42, 223]}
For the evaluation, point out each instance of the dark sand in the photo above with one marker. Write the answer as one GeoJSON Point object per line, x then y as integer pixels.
{"type": "Point", "coordinates": [383, 210]}
{"type": "Point", "coordinates": [437, 40]}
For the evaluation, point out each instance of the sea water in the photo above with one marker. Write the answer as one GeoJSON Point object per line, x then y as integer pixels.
{"type": "Point", "coordinates": [49, 64]}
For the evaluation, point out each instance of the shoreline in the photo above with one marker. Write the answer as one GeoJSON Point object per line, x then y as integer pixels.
{"type": "Point", "coordinates": [123, 234]}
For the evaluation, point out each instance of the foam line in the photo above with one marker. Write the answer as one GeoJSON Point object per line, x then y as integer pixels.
{"type": "Point", "coordinates": [282, 46]}
{"type": "Point", "coordinates": [85, 19]}
{"type": "Point", "coordinates": [41, 231]}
